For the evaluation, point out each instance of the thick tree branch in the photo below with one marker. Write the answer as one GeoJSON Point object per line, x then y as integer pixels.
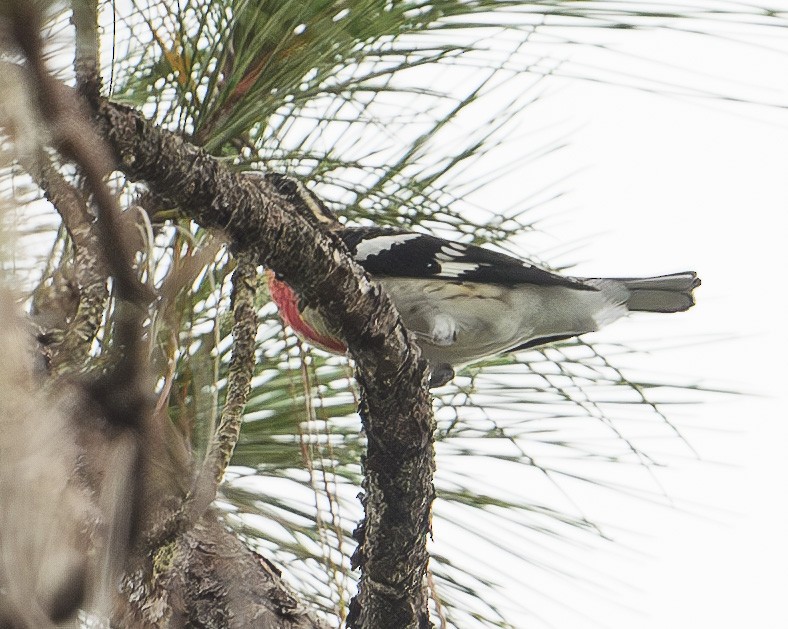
{"type": "Point", "coordinates": [397, 410]}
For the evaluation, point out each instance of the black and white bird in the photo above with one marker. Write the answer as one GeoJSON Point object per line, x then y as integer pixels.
{"type": "Point", "coordinates": [464, 303]}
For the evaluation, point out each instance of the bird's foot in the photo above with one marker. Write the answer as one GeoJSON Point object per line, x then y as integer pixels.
{"type": "Point", "coordinates": [441, 374]}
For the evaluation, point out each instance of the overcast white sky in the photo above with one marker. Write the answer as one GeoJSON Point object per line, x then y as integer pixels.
{"type": "Point", "coordinates": [673, 184]}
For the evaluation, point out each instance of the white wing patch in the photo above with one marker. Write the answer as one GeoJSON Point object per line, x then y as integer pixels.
{"type": "Point", "coordinates": [447, 258]}
{"type": "Point", "coordinates": [455, 269]}
{"type": "Point", "coordinates": [451, 250]}
{"type": "Point", "coordinates": [373, 246]}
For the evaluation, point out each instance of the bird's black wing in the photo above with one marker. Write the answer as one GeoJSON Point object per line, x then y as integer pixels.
{"type": "Point", "coordinates": [394, 253]}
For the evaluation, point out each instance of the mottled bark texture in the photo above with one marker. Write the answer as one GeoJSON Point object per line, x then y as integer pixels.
{"type": "Point", "coordinates": [66, 335]}
{"type": "Point", "coordinates": [207, 578]}
{"type": "Point", "coordinates": [397, 414]}
{"type": "Point", "coordinates": [239, 384]}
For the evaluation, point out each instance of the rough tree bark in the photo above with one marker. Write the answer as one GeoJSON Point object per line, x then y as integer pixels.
{"type": "Point", "coordinates": [396, 411]}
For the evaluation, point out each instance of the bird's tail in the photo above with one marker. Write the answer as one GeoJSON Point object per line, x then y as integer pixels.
{"type": "Point", "coordinates": [664, 293]}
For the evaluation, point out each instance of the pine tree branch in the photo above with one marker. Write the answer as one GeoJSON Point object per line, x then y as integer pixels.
{"type": "Point", "coordinates": [239, 379]}
{"type": "Point", "coordinates": [84, 15]}
{"type": "Point", "coordinates": [68, 349]}
{"type": "Point", "coordinates": [397, 410]}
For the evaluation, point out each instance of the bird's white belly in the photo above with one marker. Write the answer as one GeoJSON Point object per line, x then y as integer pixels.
{"type": "Point", "coordinates": [461, 322]}
{"type": "Point", "coordinates": [457, 323]}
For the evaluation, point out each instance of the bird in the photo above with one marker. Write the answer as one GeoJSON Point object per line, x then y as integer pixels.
{"type": "Point", "coordinates": [464, 303]}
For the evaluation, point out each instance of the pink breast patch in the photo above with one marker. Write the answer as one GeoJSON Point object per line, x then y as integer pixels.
{"type": "Point", "coordinates": [287, 302]}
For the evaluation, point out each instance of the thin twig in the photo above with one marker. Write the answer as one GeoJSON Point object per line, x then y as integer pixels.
{"type": "Point", "coordinates": [84, 15]}
{"type": "Point", "coordinates": [239, 378]}
{"type": "Point", "coordinates": [90, 274]}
